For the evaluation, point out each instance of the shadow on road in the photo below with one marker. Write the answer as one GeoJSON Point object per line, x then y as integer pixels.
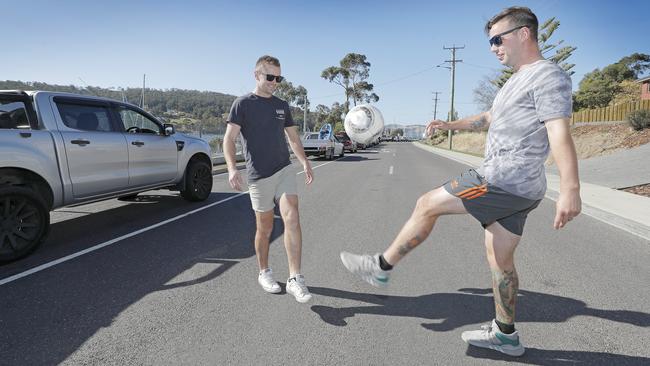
{"type": "Point", "coordinates": [450, 311]}
{"type": "Point", "coordinates": [354, 158]}
{"type": "Point", "coordinates": [468, 306]}
{"type": "Point", "coordinates": [49, 315]}
{"type": "Point", "coordinates": [548, 357]}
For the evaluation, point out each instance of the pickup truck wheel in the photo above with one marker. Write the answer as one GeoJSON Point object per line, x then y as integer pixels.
{"type": "Point", "coordinates": [198, 181]}
{"type": "Point", "coordinates": [24, 222]}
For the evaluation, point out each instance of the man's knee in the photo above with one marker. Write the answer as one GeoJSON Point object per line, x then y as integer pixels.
{"type": "Point", "coordinates": [264, 224]}
{"type": "Point", "coordinates": [289, 211]}
{"type": "Point", "coordinates": [500, 245]}
{"type": "Point", "coordinates": [438, 202]}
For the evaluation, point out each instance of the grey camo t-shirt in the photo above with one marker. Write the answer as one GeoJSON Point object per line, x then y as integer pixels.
{"type": "Point", "coordinates": [517, 141]}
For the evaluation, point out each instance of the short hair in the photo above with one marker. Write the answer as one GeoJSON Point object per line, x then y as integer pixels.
{"type": "Point", "coordinates": [518, 16]}
{"type": "Point", "coordinates": [266, 59]}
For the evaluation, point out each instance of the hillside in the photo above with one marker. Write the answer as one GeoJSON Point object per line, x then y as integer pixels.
{"type": "Point", "coordinates": [189, 110]}
{"type": "Point", "coordinates": [591, 140]}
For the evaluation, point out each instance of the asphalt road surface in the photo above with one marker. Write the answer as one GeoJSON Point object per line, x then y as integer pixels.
{"type": "Point", "coordinates": [158, 280]}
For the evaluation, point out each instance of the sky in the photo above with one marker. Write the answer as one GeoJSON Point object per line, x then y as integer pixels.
{"type": "Point", "coordinates": [213, 45]}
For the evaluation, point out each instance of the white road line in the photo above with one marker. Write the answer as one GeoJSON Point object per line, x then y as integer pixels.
{"type": "Point", "coordinates": [390, 170]}
{"type": "Point", "coordinates": [112, 241]}
{"type": "Point", "coordinates": [118, 239]}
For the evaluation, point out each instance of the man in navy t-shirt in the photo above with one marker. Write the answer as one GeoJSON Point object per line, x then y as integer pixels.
{"type": "Point", "coordinates": [263, 121]}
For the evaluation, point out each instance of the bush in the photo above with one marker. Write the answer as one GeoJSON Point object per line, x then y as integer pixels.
{"type": "Point", "coordinates": [639, 119]}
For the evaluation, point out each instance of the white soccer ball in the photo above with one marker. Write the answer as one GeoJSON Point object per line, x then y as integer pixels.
{"type": "Point", "coordinates": [364, 123]}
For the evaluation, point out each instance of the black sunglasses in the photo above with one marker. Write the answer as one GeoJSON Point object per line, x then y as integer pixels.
{"type": "Point", "coordinates": [497, 40]}
{"type": "Point", "coordinates": [270, 77]}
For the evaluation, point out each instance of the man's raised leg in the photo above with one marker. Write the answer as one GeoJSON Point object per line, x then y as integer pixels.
{"type": "Point", "coordinates": [430, 206]}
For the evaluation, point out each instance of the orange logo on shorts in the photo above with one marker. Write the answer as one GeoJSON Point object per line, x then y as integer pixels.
{"type": "Point", "coordinates": [454, 184]}
{"type": "Point", "coordinates": [474, 192]}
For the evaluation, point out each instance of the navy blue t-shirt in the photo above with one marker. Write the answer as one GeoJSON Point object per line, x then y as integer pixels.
{"type": "Point", "coordinates": [262, 121]}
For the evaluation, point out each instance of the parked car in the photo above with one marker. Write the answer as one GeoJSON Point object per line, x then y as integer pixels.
{"type": "Point", "coordinates": [326, 147]}
{"type": "Point", "coordinates": [348, 143]}
{"type": "Point", "coordinates": [61, 149]}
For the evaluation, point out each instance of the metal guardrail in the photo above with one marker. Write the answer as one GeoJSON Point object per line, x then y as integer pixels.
{"type": "Point", "coordinates": [219, 158]}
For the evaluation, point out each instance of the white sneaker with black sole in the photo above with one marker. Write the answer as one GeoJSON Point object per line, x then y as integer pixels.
{"type": "Point", "coordinates": [367, 267]}
{"type": "Point", "coordinates": [296, 287]}
{"type": "Point", "coordinates": [267, 282]}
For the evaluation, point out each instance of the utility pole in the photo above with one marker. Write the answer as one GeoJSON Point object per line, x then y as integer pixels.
{"type": "Point", "coordinates": [305, 104]}
{"type": "Point", "coordinates": [453, 77]}
{"type": "Point", "coordinates": [435, 105]}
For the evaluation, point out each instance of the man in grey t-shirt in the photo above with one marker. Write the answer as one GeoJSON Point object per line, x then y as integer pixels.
{"type": "Point", "coordinates": [263, 120]}
{"type": "Point", "coordinates": [529, 117]}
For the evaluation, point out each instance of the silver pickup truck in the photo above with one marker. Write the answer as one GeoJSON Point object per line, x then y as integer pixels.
{"type": "Point", "coordinates": [60, 149]}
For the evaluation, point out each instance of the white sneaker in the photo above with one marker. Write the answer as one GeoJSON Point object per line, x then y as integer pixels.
{"type": "Point", "coordinates": [268, 283]}
{"type": "Point", "coordinates": [490, 336]}
{"type": "Point", "coordinates": [366, 267]}
{"type": "Point", "coordinates": [296, 287]}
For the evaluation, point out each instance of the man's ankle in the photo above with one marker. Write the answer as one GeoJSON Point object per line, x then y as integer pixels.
{"type": "Point", "coordinates": [383, 264]}
{"type": "Point", "coordinates": [505, 328]}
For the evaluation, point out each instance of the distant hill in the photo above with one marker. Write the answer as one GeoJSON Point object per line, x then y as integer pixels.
{"type": "Point", "coordinates": [189, 110]}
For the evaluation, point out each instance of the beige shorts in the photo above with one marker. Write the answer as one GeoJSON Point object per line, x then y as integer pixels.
{"type": "Point", "coordinates": [264, 192]}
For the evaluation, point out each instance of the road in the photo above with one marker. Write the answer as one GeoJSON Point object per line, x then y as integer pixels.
{"type": "Point", "coordinates": [163, 281]}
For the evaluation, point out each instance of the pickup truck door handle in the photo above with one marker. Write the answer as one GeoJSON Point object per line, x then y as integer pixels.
{"type": "Point", "coordinates": [137, 143]}
{"type": "Point", "coordinates": [80, 142]}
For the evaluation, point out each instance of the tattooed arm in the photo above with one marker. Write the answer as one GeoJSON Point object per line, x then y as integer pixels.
{"type": "Point", "coordinates": [476, 123]}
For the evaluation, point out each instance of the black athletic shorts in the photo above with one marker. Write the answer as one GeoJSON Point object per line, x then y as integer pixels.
{"type": "Point", "coordinates": [489, 204]}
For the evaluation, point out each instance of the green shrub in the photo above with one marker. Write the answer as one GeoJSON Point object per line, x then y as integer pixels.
{"type": "Point", "coordinates": [639, 119]}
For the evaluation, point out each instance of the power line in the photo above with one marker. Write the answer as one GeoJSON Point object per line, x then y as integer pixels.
{"type": "Point", "coordinates": [384, 83]}
{"type": "Point", "coordinates": [481, 66]}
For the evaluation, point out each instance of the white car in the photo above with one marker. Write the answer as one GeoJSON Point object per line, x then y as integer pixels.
{"type": "Point", "coordinates": [327, 147]}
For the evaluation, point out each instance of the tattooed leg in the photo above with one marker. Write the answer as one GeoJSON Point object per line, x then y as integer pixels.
{"type": "Point", "coordinates": [500, 246]}
{"type": "Point", "coordinates": [505, 285]}
{"type": "Point", "coordinates": [409, 245]}
{"type": "Point", "coordinates": [418, 227]}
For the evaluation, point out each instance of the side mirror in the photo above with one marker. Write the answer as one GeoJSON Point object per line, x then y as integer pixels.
{"type": "Point", "coordinates": [169, 129]}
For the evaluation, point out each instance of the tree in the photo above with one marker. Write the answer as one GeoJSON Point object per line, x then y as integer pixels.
{"type": "Point", "coordinates": [600, 87]}
{"type": "Point", "coordinates": [629, 91]}
{"type": "Point", "coordinates": [286, 91]}
{"type": "Point", "coordinates": [485, 93]}
{"type": "Point", "coordinates": [292, 95]}
{"type": "Point", "coordinates": [339, 76]}
{"type": "Point", "coordinates": [352, 74]}
{"type": "Point", "coordinates": [322, 111]}
{"type": "Point", "coordinates": [295, 96]}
